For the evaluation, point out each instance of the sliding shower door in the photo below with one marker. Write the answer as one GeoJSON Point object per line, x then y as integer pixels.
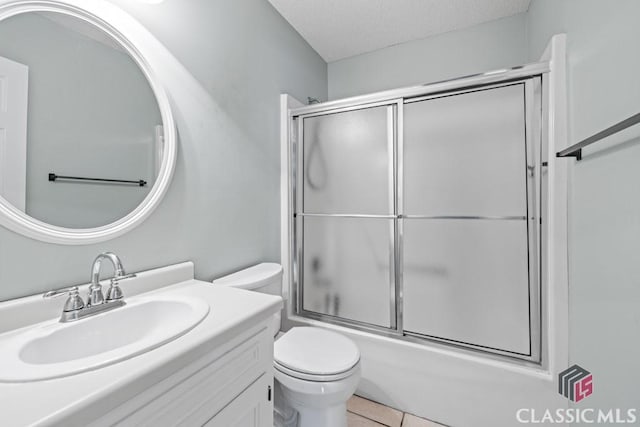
{"type": "Point", "coordinates": [466, 226]}
{"type": "Point", "coordinates": [419, 217]}
{"type": "Point", "coordinates": [346, 215]}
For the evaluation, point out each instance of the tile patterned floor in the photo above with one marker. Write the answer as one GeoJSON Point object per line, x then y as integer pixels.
{"type": "Point", "coordinates": [367, 413]}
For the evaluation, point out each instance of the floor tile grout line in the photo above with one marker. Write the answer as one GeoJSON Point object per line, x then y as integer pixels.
{"type": "Point", "coordinates": [379, 422]}
{"type": "Point", "coordinates": [371, 419]}
{"type": "Point", "coordinates": [382, 404]}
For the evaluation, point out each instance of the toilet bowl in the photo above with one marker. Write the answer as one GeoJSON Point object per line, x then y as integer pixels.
{"type": "Point", "coordinates": [316, 370]}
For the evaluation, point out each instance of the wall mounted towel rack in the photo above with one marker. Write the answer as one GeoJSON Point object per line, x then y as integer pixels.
{"type": "Point", "coordinates": [576, 149]}
{"type": "Point", "coordinates": [53, 177]}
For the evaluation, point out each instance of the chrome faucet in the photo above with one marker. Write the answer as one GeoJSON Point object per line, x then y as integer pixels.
{"type": "Point", "coordinates": [114, 293]}
{"type": "Point", "coordinates": [75, 308]}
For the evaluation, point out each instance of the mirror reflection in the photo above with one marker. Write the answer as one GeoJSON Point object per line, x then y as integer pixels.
{"type": "Point", "coordinates": [80, 128]}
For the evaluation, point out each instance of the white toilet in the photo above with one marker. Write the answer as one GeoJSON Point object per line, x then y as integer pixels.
{"type": "Point", "coordinates": [316, 370]}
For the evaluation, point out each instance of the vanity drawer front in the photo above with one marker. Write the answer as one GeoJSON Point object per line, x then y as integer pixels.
{"type": "Point", "coordinates": [251, 409]}
{"type": "Point", "coordinates": [195, 399]}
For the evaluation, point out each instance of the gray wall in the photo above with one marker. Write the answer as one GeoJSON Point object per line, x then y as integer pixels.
{"type": "Point", "coordinates": [489, 46]}
{"type": "Point", "coordinates": [91, 113]}
{"type": "Point", "coordinates": [604, 278]}
{"type": "Point", "coordinates": [227, 61]}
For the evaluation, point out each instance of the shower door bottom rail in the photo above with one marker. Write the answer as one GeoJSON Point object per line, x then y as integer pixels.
{"type": "Point", "coordinates": [401, 216]}
{"type": "Point", "coordinates": [417, 338]}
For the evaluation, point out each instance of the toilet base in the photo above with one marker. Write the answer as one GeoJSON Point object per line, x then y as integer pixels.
{"type": "Point", "coordinates": [317, 404]}
{"type": "Point", "coordinates": [335, 416]}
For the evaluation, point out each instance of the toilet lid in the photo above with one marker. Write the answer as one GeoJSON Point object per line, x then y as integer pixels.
{"type": "Point", "coordinates": [316, 351]}
{"type": "Point", "coordinates": [253, 277]}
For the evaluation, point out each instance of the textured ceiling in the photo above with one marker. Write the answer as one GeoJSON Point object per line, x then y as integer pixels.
{"type": "Point", "coordinates": [339, 29]}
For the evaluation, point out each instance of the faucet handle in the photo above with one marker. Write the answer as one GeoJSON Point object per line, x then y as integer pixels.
{"type": "Point", "coordinates": [114, 292]}
{"type": "Point", "coordinates": [74, 301]}
{"type": "Point", "coordinates": [58, 292]}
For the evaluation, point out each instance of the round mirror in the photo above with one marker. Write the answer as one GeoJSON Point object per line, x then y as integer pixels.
{"type": "Point", "coordinates": [87, 140]}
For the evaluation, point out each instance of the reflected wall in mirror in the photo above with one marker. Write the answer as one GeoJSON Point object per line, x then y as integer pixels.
{"type": "Point", "coordinates": [73, 102]}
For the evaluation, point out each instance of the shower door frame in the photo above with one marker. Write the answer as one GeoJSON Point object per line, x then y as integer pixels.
{"type": "Point", "coordinates": [396, 99]}
{"type": "Point", "coordinates": [395, 107]}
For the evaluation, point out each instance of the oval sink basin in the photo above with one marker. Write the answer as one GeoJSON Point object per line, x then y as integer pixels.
{"type": "Point", "coordinates": [53, 349]}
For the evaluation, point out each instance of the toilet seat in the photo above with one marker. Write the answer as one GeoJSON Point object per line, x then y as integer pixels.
{"type": "Point", "coordinates": [315, 354]}
{"type": "Point", "coordinates": [315, 377]}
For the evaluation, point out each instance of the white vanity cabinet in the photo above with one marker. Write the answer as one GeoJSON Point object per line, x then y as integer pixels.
{"type": "Point", "coordinates": [218, 373]}
{"type": "Point", "coordinates": [226, 388]}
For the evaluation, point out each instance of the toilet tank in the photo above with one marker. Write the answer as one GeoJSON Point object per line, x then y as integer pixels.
{"type": "Point", "coordinates": [265, 277]}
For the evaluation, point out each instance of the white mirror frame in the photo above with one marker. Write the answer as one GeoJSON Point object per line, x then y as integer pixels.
{"type": "Point", "coordinates": [106, 17]}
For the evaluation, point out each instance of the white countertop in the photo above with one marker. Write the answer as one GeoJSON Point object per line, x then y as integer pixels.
{"type": "Point", "coordinates": [78, 399]}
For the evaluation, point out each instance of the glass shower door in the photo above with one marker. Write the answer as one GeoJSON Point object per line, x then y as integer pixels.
{"type": "Point", "coordinates": [465, 220]}
{"type": "Point", "coordinates": [346, 215]}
